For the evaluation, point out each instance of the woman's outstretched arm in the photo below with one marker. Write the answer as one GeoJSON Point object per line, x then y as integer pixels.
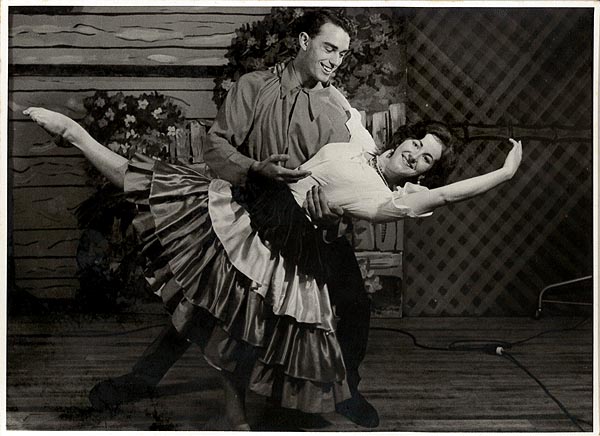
{"type": "Point", "coordinates": [426, 201]}
{"type": "Point", "coordinates": [110, 164]}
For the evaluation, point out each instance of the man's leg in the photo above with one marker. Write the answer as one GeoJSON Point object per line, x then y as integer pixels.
{"type": "Point", "coordinates": [353, 306]}
{"type": "Point", "coordinates": [151, 367]}
{"type": "Point", "coordinates": [353, 333]}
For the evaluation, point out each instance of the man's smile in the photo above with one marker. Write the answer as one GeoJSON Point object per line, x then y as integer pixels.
{"type": "Point", "coordinates": [326, 69]}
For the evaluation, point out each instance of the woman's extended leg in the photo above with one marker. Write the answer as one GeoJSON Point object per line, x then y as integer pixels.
{"type": "Point", "coordinates": [110, 164]}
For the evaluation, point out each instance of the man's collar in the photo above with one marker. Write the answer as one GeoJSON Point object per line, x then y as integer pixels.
{"type": "Point", "coordinates": [290, 81]}
{"type": "Point", "coordinates": [317, 96]}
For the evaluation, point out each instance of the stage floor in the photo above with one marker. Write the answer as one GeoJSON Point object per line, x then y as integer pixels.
{"type": "Point", "coordinates": [54, 361]}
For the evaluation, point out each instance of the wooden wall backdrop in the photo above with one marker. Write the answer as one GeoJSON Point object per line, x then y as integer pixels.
{"type": "Point", "coordinates": [531, 68]}
{"type": "Point", "coordinates": [59, 56]}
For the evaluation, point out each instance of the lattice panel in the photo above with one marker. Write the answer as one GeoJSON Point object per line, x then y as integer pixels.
{"type": "Point", "coordinates": [493, 254]}
{"type": "Point", "coordinates": [519, 66]}
{"type": "Point", "coordinates": [468, 256]}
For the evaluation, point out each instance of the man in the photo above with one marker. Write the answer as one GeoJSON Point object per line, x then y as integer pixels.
{"type": "Point", "coordinates": [270, 123]}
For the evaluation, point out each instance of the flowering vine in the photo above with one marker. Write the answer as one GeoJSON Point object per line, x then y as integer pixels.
{"type": "Point", "coordinates": [129, 124]}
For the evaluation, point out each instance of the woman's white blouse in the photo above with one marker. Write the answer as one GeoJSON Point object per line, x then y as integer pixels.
{"type": "Point", "coordinates": [347, 179]}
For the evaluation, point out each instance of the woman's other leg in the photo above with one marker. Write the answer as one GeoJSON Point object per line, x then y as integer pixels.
{"type": "Point", "coordinates": [234, 388]}
{"type": "Point", "coordinates": [110, 164]}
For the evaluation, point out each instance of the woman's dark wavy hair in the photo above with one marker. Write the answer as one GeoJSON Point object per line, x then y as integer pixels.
{"type": "Point", "coordinates": [312, 20]}
{"type": "Point", "coordinates": [440, 171]}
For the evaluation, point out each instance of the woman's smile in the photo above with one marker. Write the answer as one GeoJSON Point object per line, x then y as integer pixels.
{"type": "Point", "coordinates": [408, 160]}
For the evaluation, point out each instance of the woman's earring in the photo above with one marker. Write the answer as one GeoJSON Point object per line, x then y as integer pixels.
{"type": "Point", "coordinates": [419, 180]}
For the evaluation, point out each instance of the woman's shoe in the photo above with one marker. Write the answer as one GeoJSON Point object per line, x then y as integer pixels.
{"type": "Point", "coordinates": [56, 124]}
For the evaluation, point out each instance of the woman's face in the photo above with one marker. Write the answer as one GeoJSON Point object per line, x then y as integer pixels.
{"type": "Point", "coordinates": [412, 158]}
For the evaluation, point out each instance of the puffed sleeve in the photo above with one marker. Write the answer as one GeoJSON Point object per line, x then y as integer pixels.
{"type": "Point", "coordinates": [359, 134]}
{"type": "Point", "coordinates": [393, 208]}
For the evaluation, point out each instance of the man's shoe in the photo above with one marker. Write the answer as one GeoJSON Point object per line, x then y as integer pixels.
{"type": "Point", "coordinates": [111, 393]}
{"type": "Point", "coordinates": [358, 410]}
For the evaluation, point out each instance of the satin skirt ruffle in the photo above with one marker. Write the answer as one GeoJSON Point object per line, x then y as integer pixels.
{"type": "Point", "coordinates": [280, 328]}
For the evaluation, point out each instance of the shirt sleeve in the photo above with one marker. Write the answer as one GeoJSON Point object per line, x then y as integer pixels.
{"type": "Point", "coordinates": [229, 131]}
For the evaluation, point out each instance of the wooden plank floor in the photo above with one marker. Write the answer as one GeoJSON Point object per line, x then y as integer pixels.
{"type": "Point", "coordinates": [53, 362]}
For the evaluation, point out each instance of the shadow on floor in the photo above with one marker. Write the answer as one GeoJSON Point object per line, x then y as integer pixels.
{"type": "Point", "coordinates": [278, 419]}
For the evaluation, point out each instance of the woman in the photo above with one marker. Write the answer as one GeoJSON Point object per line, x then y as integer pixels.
{"type": "Point", "coordinates": [243, 270]}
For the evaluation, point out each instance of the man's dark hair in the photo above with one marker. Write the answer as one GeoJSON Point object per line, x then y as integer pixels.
{"type": "Point", "coordinates": [438, 174]}
{"type": "Point", "coordinates": [312, 20]}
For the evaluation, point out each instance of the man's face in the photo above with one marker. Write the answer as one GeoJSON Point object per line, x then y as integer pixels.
{"type": "Point", "coordinates": [324, 52]}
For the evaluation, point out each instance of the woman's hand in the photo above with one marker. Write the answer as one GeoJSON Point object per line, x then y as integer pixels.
{"type": "Point", "coordinates": [513, 160]}
{"type": "Point", "coordinates": [467, 188]}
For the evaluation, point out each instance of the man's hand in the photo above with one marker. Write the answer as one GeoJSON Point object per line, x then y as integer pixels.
{"type": "Point", "coordinates": [322, 212]}
{"type": "Point", "coordinates": [271, 168]}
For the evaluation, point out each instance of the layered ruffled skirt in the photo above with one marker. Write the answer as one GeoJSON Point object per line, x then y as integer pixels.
{"type": "Point", "coordinates": [249, 294]}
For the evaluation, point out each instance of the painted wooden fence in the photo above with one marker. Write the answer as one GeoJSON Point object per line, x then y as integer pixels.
{"type": "Point", "coordinates": [157, 36]}
{"type": "Point", "coordinates": [58, 56]}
